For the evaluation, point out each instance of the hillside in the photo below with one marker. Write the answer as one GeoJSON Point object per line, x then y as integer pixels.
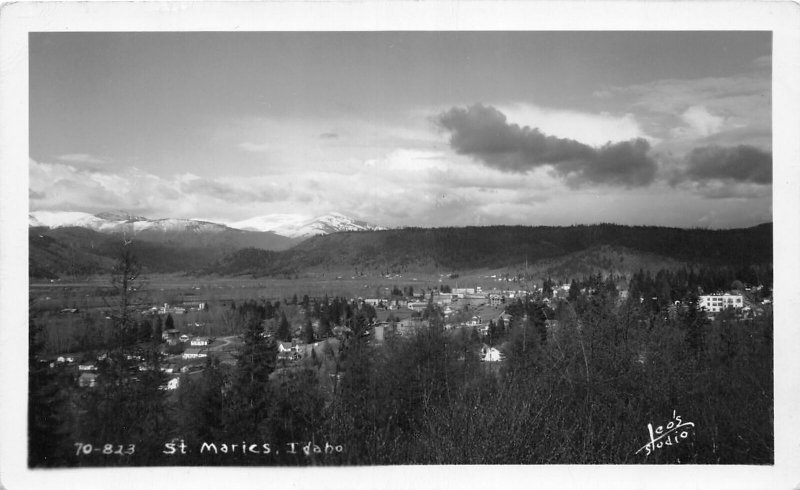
{"type": "Point", "coordinates": [78, 251]}
{"type": "Point", "coordinates": [557, 251]}
{"type": "Point", "coordinates": [454, 249]}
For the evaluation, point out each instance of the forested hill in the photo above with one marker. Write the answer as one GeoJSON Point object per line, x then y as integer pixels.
{"type": "Point", "coordinates": [500, 246]}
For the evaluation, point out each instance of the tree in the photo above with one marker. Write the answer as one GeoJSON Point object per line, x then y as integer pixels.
{"type": "Point", "coordinates": [324, 327]}
{"type": "Point", "coordinates": [48, 441]}
{"type": "Point", "coordinates": [128, 402]}
{"type": "Point", "coordinates": [574, 291]}
{"type": "Point", "coordinates": [169, 323]}
{"type": "Point", "coordinates": [145, 330]}
{"type": "Point", "coordinates": [158, 330]}
{"type": "Point", "coordinates": [250, 395]}
{"type": "Point", "coordinates": [284, 331]}
{"type": "Point", "coordinates": [308, 332]}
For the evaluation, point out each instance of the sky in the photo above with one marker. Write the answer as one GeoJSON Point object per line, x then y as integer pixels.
{"type": "Point", "coordinates": [406, 128]}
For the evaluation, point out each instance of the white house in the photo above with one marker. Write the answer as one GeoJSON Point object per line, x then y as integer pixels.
{"type": "Point", "coordinates": [715, 303]}
{"type": "Point", "coordinates": [199, 342]}
{"type": "Point", "coordinates": [490, 354]}
{"type": "Point", "coordinates": [194, 353]}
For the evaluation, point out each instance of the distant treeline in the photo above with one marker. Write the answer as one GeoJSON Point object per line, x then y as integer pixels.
{"type": "Point", "coordinates": [77, 252]}
{"type": "Point", "coordinates": [498, 246]}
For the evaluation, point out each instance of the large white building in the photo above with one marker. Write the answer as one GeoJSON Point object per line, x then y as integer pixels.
{"type": "Point", "coordinates": [714, 303]}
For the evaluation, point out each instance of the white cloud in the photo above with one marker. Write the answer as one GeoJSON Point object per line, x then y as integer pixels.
{"type": "Point", "coordinates": [704, 108]}
{"type": "Point", "coordinates": [699, 123]}
{"type": "Point", "coordinates": [79, 158]}
{"type": "Point", "coordinates": [588, 128]}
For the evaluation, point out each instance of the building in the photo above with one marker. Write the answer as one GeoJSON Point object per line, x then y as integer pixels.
{"type": "Point", "coordinates": [172, 384]}
{"type": "Point", "coordinates": [200, 342]}
{"type": "Point", "coordinates": [194, 353]}
{"type": "Point", "coordinates": [417, 305]}
{"type": "Point", "coordinates": [714, 303]}
{"type": "Point", "coordinates": [490, 354]}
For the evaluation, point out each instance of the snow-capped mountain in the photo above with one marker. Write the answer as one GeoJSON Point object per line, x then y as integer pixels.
{"type": "Point", "coordinates": [303, 226]}
{"type": "Point", "coordinates": [120, 222]}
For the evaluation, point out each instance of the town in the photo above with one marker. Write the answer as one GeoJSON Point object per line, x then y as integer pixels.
{"type": "Point", "coordinates": [189, 334]}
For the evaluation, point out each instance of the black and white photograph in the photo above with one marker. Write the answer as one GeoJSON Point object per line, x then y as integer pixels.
{"type": "Point", "coordinates": [451, 246]}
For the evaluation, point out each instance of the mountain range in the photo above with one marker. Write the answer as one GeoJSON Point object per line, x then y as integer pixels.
{"type": "Point", "coordinates": [79, 244]}
{"type": "Point", "coordinates": [292, 226]}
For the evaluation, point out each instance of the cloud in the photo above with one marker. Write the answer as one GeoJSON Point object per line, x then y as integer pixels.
{"type": "Point", "coordinates": [230, 192]}
{"type": "Point", "coordinates": [328, 136]}
{"type": "Point", "coordinates": [589, 128]}
{"type": "Point", "coordinates": [700, 122]}
{"type": "Point", "coordinates": [483, 133]}
{"type": "Point", "coordinates": [684, 113]}
{"type": "Point", "coordinates": [738, 164]}
{"type": "Point", "coordinates": [79, 158]}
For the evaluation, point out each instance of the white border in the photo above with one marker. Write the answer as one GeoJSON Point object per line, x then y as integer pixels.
{"type": "Point", "coordinates": [16, 20]}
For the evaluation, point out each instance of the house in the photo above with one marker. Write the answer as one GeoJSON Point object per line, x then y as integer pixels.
{"type": "Point", "coordinates": [172, 384]}
{"type": "Point", "coordinates": [490, 354]}
{"type": "Point", "coordinates": [417, 305]}
{"type": "Point", "coordinates": [289, 351]}
{"type": "Point", "coordinates": [200, 342]}
{"type": "Point", "coordinates": [715, 303]}
{"type": "Point", "coordinates": [194, 353]}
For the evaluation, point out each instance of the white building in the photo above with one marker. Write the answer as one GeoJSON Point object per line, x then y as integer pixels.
{"type": "Point", "coordinates": [714, 303]}
{"type": "Point", "coordinates": [194, 353]}
{"type": "Point", "coordinates": [490, 354]}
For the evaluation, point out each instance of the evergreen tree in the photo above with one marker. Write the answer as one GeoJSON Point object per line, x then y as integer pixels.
{"type": "Point", "coordinates": [324, 327]}
{"type": "Point", "coordinates": [48, 432]}
{"type": "Point", "coordinates": [284, 333]}
{"type": "Point", "coordinates": [308, 332]}
{"type": "Point", "coordinates": [158, 331]}
{"type": "Point", "coordinates": [250, 395]}
{"type": "Point", "coordinates": [574, 291]}
{"type": "Point", "coordinates": [128, 402]}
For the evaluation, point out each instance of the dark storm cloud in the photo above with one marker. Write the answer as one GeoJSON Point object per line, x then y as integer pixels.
{"type": "Point", "coordinates": [483, 133]}
{"type": "Point", "coordinates": [741, 163]}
